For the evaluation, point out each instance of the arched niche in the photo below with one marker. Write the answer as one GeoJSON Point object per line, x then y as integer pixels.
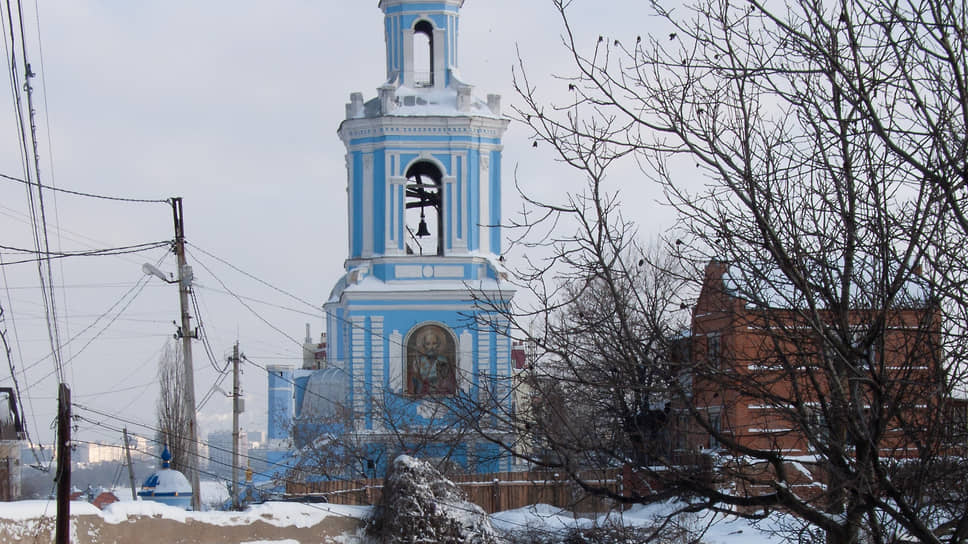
{"type": "Point", "coordinates": [423, 54]}
{"type": "Point", "coordinates": [424, 208]}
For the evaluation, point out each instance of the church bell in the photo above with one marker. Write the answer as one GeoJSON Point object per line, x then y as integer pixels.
{"type": "Point", "coordinates": [422, 227]}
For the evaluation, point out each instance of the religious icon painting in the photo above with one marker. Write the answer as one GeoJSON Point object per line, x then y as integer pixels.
{"type": "Point", "coordinates": [431, 362]}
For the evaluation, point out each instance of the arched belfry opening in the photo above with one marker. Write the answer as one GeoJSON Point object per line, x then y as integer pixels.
{"type": "Point", "coordinates": [423, 54]}
{"type": "Point", "coordinates": [424, 208]}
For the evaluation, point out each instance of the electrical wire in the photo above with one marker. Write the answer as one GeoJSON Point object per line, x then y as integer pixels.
{"type": "Point", "coordinates": [48, 255]}
{"type": "Point", "coordinates": [88, 195]}
{"type": "Point", "coordinates": [243, 303]}
{"type": "Point", "coordinates": [253, 277]}
{"type": "Point", "coordinates": [125, 300]}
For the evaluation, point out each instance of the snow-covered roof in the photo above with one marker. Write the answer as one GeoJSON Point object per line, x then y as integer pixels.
{"type": "Point", "coordinates": [768, 287]}
{"type": "Point", "coordinates": [429, 101]}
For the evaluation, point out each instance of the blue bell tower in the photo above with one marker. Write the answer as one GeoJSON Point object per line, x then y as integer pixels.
{"type": "Point", "coordinates": [423, 160]}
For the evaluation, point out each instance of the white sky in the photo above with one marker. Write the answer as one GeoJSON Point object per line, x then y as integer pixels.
{"type": "Point", "coordinates": [234, 106]}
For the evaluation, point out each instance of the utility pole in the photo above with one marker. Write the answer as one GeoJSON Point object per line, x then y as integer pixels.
{"type": "Point", "coordinates": [127, 454]}
{"type": "Point", "coordinates": [236, 410]}
{"type": "Point", "coordinates": [62, 529]}
{"type": "Point", "coordinates": [185, 332]}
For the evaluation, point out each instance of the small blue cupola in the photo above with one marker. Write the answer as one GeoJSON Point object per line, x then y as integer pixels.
{"type": "Point", "coordinates": [421, 41]}
{"type": "Point", "coordinates": [167, 486]}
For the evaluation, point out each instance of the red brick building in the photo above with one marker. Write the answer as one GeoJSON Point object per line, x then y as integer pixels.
{"type": "Point", "coordinates": [775, 377]}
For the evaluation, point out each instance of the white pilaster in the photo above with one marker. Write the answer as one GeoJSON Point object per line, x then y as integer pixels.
{"type": "Point", "coordinates": [396, 202]}
{"type": "Point", "coordinates": [396, 363]}
{"type": "Point", "coordinates": [449, 202]}
{"type": "Point", "coordinates": [358, 362]}
{"type": "Point", "coordinates": [408, 57]}
{"type": "Point", "coordinates": [465, 358]}
{"type": "Point", "coordinates": [368, 205]}
{"type": "Point", "coordinates": [440, 67]}
{"type": "Point", "coordinates": [484, 181]}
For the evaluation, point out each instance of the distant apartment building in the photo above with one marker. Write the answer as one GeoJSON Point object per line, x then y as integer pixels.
{"type": "Point", "coordinates": [220, 453]}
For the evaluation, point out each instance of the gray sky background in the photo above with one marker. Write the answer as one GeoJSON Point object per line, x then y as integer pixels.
{"type": "Point", "coordinates": [234, 106]}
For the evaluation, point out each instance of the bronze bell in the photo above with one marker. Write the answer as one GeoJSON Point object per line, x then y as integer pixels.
{"type": "Point", "coordinates": [422, 227]}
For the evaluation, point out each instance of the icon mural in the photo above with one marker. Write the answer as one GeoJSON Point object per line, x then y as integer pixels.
{"type": "Point", "coordinates": [431, 358]}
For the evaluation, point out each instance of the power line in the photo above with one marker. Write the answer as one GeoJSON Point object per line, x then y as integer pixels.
{"type": "Point", "coordinates": [253, 277]}
{"type": "Point", "coordinates": [88, 195]}
{"type": "Point", "coordinates": [256, 300]}
{"type": "Point", "coordinates": [139, 286]}
{"type": "Point", "coordinates": [88, 253]}
{"type": "Point", "coordinates": [251, 310]}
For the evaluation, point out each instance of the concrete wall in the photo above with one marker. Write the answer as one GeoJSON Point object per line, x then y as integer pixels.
{"type": "Point", "coordinates": [92, 529]}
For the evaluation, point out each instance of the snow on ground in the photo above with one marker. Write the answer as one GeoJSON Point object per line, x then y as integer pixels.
{"type": "Point", "coordinates": [279, 514]}
{"type": "Point", "coordinates": [549, 519]}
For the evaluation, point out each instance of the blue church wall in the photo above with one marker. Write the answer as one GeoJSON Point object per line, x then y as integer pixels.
{"type": "Point", "coordinates": [370, 198]}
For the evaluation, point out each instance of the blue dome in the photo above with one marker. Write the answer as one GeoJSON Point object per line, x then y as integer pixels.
{"type": "Point", "coordinates": [167, 486]}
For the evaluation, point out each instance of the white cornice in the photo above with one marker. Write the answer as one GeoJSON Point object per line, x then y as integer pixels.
{"type": "Point", "coordinates": [418, 126]}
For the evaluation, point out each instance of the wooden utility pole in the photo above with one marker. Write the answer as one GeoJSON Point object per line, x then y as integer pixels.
{"type": "Point", "coordinates": [236, 410]}
{"type": "Point", "coordinates": [127, 454]}
{"type": "Point", "coordinates": [62, 529]}
{"type": "Point", "coordinates": [185, 332]}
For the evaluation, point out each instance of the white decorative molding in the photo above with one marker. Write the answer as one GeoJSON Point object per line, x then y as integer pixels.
{"type": "Point", "coordinates": [408, 271]}
{"type": "Point", "coordinates": [448, 271]}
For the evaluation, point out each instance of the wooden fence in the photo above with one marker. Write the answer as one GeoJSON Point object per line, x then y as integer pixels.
{"type": "Point", "coordinates": [493, 492]}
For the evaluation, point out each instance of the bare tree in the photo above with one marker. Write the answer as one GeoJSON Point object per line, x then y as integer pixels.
{"type": "Point", "coordinates": [173, 415]}
{"type": "Point", "coordinates": [831, 139]}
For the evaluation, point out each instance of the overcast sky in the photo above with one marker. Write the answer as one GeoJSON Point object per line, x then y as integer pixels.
{"type": "Point", "coordinates": [234, 106]}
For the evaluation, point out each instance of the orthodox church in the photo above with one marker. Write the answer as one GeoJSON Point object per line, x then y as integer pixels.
{"type": "Point", "coordinates": [410, 326]}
